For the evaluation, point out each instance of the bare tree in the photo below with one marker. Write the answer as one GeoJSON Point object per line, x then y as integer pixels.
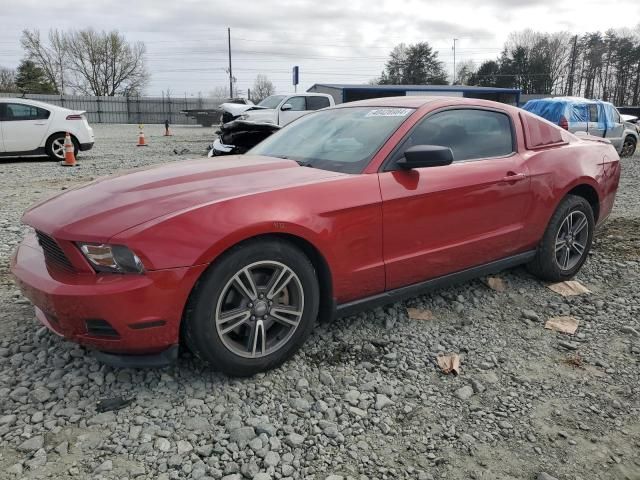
{"type": "Point", "coordinates": [465, 70]}
{"type": "Point", "coordinates": [559, 53]}
{"type": "Point", "coordinates": [49, 56]}
{"type": "Point", "coordinates": [8, 80]}
{"type": "Point", "coordinates": [219, 92]}
{"type": "Point", "coordinates": [95, 63]}
{"type": "Point", "coordinates": [262, 88]}
{"type": "Point", "coordinates": [105, 64]}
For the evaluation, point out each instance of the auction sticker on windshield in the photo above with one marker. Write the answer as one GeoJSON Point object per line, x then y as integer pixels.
{"type": "Point", "coordinates": [389, 112]}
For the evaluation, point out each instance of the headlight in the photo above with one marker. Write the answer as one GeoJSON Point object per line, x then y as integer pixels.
{"type": "Point", "coordinates": [243, 117]}
{"type": "Point", "coordinates": [111, 258]}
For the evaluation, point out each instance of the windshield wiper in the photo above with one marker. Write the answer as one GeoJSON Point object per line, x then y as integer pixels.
{"type": "Point", "coordinates": [304, 164]}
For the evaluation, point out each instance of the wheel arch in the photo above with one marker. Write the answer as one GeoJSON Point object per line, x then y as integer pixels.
{"type": "Point", "coordinates": [53, 134]}
{"type": "Point", "coordinates": [590, 194]}
{"type": "Point", "coordinates": [327, 306]}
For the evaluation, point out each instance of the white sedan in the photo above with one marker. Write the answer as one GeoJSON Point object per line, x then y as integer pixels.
{"type": "Point", "coordinates": [29, 127]}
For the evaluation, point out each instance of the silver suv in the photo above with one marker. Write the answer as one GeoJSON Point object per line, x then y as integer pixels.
{"type": "Point", "coordinates": [595, 117]}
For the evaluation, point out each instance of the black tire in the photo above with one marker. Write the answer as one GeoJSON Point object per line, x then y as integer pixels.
{"type": "Point", "coordinates": [52, 143]}
{"type": "Point", "coordinates": [546, 264]}
{"type": "Point", "coordinates": [628, 147]}
{"type": "Point", "coordinates": [200, 329]}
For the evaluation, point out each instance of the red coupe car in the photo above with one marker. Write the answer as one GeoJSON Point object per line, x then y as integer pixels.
{"type": "Point", "coordinates": [348, 207]}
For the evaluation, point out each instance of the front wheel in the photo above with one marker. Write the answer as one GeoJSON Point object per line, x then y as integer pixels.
{"type": "Point", "coordinates": [628, 147]}
{"type": "Point", "coordinates": [253, 308]}
{"type": "Point", "coordinates": [566, 242]}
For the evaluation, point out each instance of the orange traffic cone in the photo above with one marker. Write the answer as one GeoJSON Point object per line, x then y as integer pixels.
{"type": "Point", "coordinates": [69, 155]}
{"type": "Point", "coordinates": [141, 142]}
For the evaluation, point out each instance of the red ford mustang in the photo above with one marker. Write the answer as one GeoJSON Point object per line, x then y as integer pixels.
{"type": "Point", "coordinates": [353, 206]}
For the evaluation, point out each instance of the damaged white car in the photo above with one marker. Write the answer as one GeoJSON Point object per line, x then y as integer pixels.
{"type": "Point", "coordinates": [277, 109]}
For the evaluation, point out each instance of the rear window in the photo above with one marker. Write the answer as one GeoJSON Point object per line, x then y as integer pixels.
{"type": "Point", "coordinates": [316, 103]}
{"type": "Point", "coordinates": [538, 133]}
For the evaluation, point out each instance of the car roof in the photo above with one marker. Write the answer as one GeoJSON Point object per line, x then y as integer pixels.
{"type": "Point", "coordinates": [302, 94]}
{"type": "Point", "coordinates": [418, 101]}
{"type": "Point", "coordinates": [570, 100]}
{"type": "Point", "coordinates": [35, 103]}
{"type": "Point", "coordinates": [410, 102]}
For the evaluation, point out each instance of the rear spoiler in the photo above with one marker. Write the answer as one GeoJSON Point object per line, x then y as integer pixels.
{"type": "Point", "coordinates": [591, 138]}
{"type": "Point", "coordinates": [76, 114]}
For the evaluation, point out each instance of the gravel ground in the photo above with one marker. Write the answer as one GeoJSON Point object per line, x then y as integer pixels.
{"type": "Point", "coordinates": [364, 399]}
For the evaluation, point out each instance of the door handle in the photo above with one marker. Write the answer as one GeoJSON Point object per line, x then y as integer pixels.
{"type": "Point", "coordinates": [514, 177]}
{"type": "Point", "coordinates": [40, 123]}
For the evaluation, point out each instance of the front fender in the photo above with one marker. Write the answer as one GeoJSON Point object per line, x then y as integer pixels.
{"type": "Point", "coordinates": [274, 227]}
{"type": "Point", "coordinates": [341, 218]}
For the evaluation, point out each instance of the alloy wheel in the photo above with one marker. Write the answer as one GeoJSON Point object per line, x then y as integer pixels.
{"type": "Point", "coordinates": [628, 148]}
{"type": "Point", "coordinates": [57, 146]}
{"type": "Point", "coordinates": [259, 309]}
{"type": "Point", "coordinates": [571, 240]}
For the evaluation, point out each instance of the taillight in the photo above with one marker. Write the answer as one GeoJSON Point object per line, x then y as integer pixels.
{"type": "Point", "coordinates": [563, 123]}
{"type": "Point", "coordinates": [74, 117]}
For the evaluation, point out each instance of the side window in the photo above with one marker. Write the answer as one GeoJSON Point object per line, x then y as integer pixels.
{"type": "Point", "coordinates": [297, 104]}
{"type": "Point", "coordinates": [316, 103]}
{"type": "Point", "coordinates": [593, 113]}
{"type": "Point", "coordinates": [470, 134]}
{"type": "Point", "coordinates": [18, 111]}
{"type": "Point", "coordinates": [615, 114]}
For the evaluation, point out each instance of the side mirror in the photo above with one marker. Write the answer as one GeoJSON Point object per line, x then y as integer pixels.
{"type": "Point", "coordinates": [421, 156]}
{"type": "Point", "coordinates": [286, 106]}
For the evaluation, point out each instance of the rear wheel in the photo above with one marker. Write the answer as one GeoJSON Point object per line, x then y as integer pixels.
{"type": "Point", "coordinates": [254, 308]}
{"type": "Point", "coordinates": [566, 242]}
{"type": "Point", "coordinates": [55, 146]}
{"type": "Point", "coordinates": [628, 147]}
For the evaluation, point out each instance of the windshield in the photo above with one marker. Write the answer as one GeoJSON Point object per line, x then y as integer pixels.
{"type": "Point", "coordinates": [272, 101]}
{"type": "Point", "coordinates": [342, 140]}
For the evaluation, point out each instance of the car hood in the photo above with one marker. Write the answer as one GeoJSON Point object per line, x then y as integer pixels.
{"type": "Point", "coordinates": [97, 211]}
{"type": "Point", "coordinates": [234, 109]}
{"type": "Point", "coordinates": [267, 115]}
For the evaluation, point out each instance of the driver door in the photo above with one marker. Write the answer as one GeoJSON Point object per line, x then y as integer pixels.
{"type": "Point", "coordinates": [298, 108]}
{"type": "Point", "coordinates": [615, 130]}
{"type": "Point", "coordinates": [441, 220]}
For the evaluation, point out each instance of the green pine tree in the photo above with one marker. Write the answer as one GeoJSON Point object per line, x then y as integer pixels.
{"type": "Point", "coordinates": [31, 79]}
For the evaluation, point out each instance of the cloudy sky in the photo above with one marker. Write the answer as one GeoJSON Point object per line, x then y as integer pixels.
{"type": "Point", "coordinates": [333, 41]}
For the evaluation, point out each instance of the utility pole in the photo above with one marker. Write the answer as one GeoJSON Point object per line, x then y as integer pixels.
{"type": "Point", "coordinates": [230, 71]}
{"type": "Point", "coordinates": [454, 60]}
{"type": "Point", "coordinates": [573, 66]}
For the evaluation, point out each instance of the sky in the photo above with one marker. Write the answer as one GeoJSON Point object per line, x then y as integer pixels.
{"type": "Point", "coordinates": [333, 41]}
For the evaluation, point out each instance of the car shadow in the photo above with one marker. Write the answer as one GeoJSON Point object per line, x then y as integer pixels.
{"type": "Point", "coordinates": [8, 160]}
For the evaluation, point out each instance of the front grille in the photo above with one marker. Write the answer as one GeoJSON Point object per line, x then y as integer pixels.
{"type": "Point", "coordinates": [53, 254]}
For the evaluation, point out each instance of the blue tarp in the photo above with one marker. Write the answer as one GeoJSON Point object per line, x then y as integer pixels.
{"type": "Point", "coordinates": [574, 109]}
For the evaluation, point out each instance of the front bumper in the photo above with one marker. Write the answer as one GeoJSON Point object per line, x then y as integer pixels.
{"type": "Point", "coordinates": [83, 147]}
{"type": "Point", "coordinates": [144, 310]}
